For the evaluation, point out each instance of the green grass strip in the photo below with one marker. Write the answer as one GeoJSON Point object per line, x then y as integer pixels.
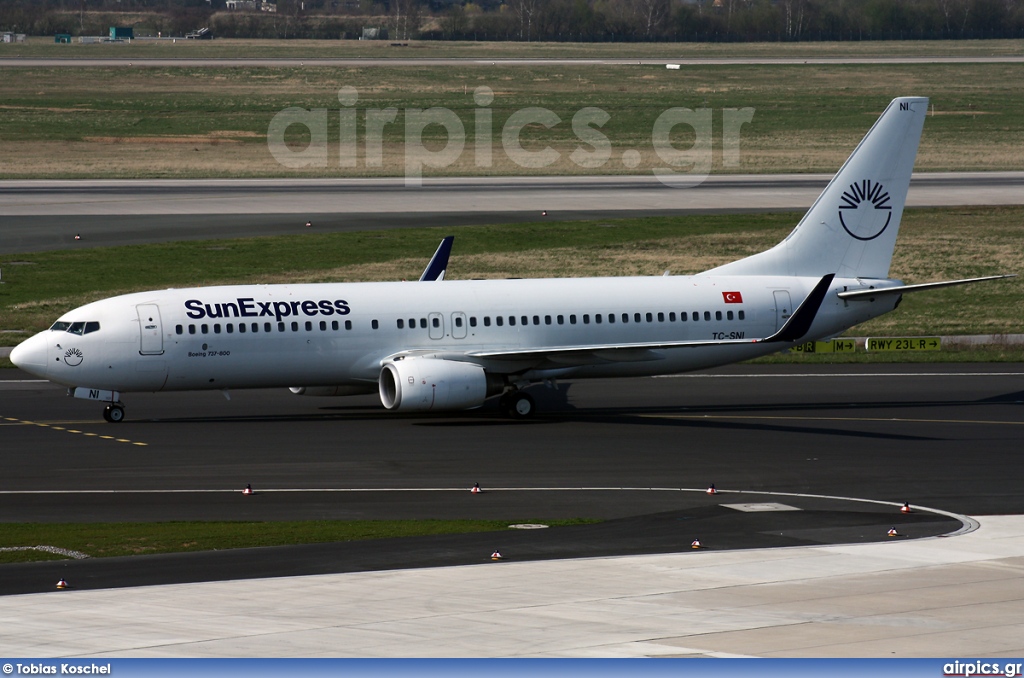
{"type": "Point", "coordinates": [101, 540]}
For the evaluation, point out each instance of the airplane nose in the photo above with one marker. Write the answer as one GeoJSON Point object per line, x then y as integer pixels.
{"type": "Point", "coordinates": [30, 355]}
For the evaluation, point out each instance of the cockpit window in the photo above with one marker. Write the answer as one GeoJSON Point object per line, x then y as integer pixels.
{"type": "Point", "coordinates": [76, 328]}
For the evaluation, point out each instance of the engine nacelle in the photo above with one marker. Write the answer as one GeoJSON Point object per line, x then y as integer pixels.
{"type": "Point", "coordinates": [433, 384]}
{"type": "Point", "coordinates": [331, 390]}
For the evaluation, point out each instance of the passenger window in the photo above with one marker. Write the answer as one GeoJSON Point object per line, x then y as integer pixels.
{"type": "Point", "coordinates": [433, 321]}
{"type": "Point", "coordinates": [536, 320]}
{"type": "Point", "coordinates": [547, 320]}
{"type": "Point", "coordinates": [458, 321]}
{"type": "Point", "coordinates": [423, 323]}
{"type": "Point", "coordinates": [230, 328]}
{"type": "Point", "coordinates": [280, 326]}
{"type": "Point", "coordinates": [611, 317]}
{"type": "Point", "coordinates": [487, 321]}
{"type": "Point", "coordinates": [374, 324]}
{"type": "Point", "coordinates": [95, 327]}
{"type": "Point", "coordinates": [561, 320]}
{"type": "Point", "coordinates": [334, 325]}
{"type": "Point", "coordinates": [267, 327]}
{"type": "Point", "coordinates": [696, 316]}
{"type": "Point", "coordinates": [348, 324]}
{"type": "Point", "coordinates": [511, 320]}
{"type": "Point", "coordinates": [241, 328]}
{"type": "Point", "coordinates": [572, 319]}
{"type": "Point", "coordinates": [728, 315]}
{"type": "Point", "coordinates": [661, 317]}
{"type": "Point", "coordinates": [650, 317]}
{"type": "Point", "coordinates": [625, 317]}
{"type": "Point", "coordinates": [672, 317]}
{"type": "Point", "coordinates": [586, 318]}
{"type": "Point", "coordinates": [707, 315]}
{"type": "Point", "coordinates": [295, 326]}
{"type": "Point", "coordinates": [309, 325]}
{"type": "Point", "coordinates": [204, 328]}
{"type": "Point", "coordinates": [216, 328]}
{"type": "Point", "coordinates": [191, 329]}
{"type": "Point", "coordinates": [597, 318]}
{"type": "Point", "coordinates": [499, 320]}
{"type": "Point", "coordinates": [401, 324]}
{"type": "Point", "coordinates": [472, 321]}
{"type": "Point", "coordinates": [636, 317]}
{"type": "Point", "coordinates": [682, 317]}
{"type": "Point", "coordinates": [718, 315]}
{"type": "Point", "coordinates": [255, 328]}
{"type": "Point", "coordinates": [742, 315]}
{"type": "Point", "coordinates": [323, 325]}
{"type": "Point", "coordinates": [178, 329]}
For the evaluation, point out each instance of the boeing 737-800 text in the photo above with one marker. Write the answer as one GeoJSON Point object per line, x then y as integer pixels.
{"type": "Point", "coordinates": [439, 345]}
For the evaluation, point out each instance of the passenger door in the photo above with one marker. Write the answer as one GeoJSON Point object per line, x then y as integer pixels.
{"type": "Point", "coordinates": [151, 341]}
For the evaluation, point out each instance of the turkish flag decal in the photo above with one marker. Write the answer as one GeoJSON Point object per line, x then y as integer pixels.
{"type": "Point", "coordinates": [732, 297]}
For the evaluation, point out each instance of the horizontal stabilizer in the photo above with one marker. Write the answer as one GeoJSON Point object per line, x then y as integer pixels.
{"type": "Point", "coordinates": [884, 291]}
{"type": "Point", "coordinates": [439, 262]}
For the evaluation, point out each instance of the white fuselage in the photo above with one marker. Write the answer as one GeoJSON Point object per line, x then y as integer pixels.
{"type": "Point", "coordinates": [252, 336]}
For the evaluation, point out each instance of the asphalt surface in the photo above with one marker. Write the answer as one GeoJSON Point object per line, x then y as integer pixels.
{"type": "Point", "coordinates": [291, 62]}
{"type": "Point", "coordinates": [47, 215]}
{"type": "Point", "coordinates": [636, 453]}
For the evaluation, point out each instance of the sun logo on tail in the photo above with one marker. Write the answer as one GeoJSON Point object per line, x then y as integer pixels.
{"type": "Point", "coordinates": [867, 210]}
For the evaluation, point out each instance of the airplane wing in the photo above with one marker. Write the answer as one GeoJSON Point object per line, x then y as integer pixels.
{"type": "Point", "coordinates": [794, 330]}
{"type": "Point", "coordinates": [439, 262]}
{"type": "Point", "coordinates": [888, 291]}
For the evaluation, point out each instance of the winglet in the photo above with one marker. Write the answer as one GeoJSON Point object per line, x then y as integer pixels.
{"type": "Point", "coordinates": [439, 262]}
{"type": "Point", "coordinates": [800, 322]}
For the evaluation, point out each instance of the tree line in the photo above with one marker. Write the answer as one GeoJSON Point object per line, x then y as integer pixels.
{"type": "Point", "coordinates": [535, 20]}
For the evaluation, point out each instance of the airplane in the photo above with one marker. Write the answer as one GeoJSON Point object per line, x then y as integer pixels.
{"type": "Point", "coordinates": [447, 345]}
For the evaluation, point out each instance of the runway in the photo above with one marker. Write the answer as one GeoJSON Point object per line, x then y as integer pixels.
{"type": "Point", "coordinates": [402, 62]}
{"type": "Point", "coordinates": [46, 215]}
{"type": "Point", "coordinates": [634, 452]}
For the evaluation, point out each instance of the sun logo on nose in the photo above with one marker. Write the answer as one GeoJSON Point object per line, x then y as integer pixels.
{"type": "Point", "coordinates": [867, 210]}
{"type": "Point", "coordinates": [73, 357]}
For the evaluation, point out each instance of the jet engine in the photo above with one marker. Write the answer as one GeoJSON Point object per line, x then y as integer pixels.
{"type": "Point", "coordinates": [331, 390]}
{"type": "Point", "coordinates": [433, 384]}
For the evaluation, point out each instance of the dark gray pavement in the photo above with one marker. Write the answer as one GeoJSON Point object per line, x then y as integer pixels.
{"type": "Point", "coordinates": [941, 436]}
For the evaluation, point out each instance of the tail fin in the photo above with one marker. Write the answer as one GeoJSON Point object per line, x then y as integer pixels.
{"type": "Point", "coordinates": [851, 228]}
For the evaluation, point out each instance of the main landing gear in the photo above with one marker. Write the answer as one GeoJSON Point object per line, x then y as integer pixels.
{"type": "Point", "coordinates": [518, 405]}
{"type": "Point", "coordinates": [114, 413]}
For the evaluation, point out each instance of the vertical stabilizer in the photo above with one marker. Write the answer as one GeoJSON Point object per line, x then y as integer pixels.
{"type": "Point", "coordinates": [851, 228]}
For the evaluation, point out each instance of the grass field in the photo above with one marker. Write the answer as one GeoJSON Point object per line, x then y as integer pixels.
{"type": "Point", "coordinates": [934, 244]}
{"type": "Point", "coordinates": [99, 540]}
{"type": "Point", "coordinates": [213, 122]}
